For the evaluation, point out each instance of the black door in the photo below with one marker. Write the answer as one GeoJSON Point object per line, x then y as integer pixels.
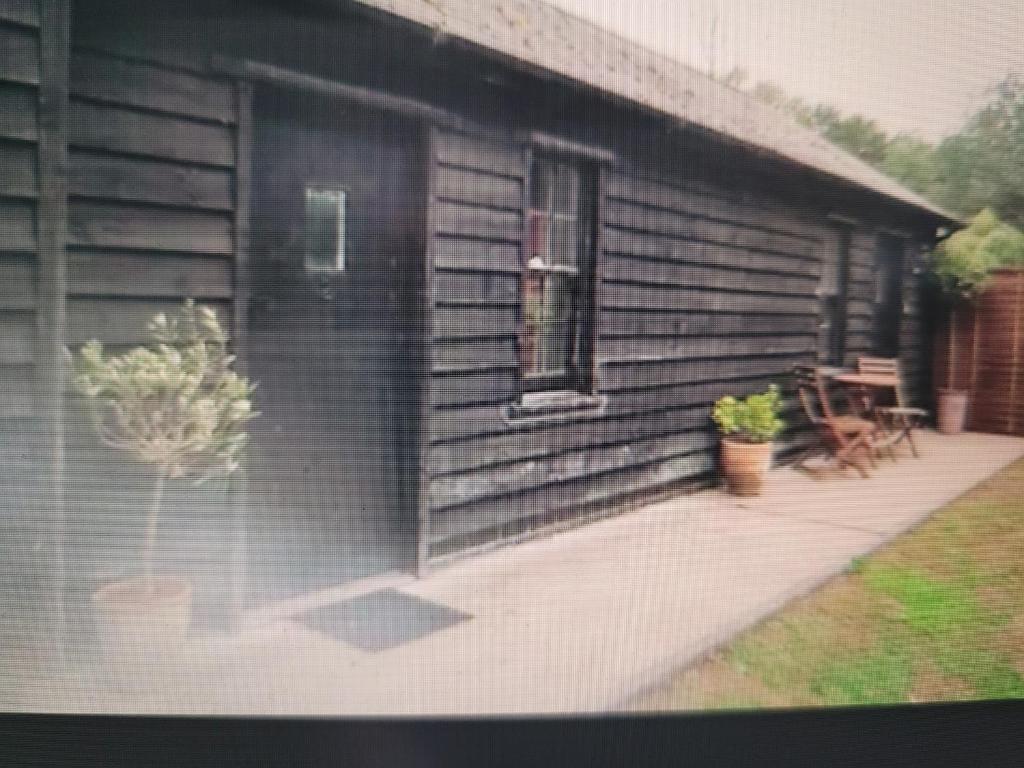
{"type": "Point", "coordinates": [888, 295]}
{"type": "Point", "coordinates": [336, 244]}
{"type": "Point", "coordinates": [832, 293]}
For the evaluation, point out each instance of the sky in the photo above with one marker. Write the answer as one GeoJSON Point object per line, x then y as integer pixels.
{"type": "Point", "coordinates": [915, 66]}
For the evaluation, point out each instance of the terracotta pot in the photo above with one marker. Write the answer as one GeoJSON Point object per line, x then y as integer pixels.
{"type": "Point", "coordinates": [952, 411]}
{"type": "Point", "coordinates": [745, 465]}
{"type": "Point", "coordinates": [139, 618]}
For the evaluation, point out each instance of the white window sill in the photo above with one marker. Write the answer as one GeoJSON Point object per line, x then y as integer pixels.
{"type": "Point", "coordinates": [552, 406]}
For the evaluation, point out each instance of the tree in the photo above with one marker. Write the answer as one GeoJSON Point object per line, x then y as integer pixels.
{"type": "Point", "coordinates": [913, 162]}
{"type": "Point", "coordinates": [176, 405]}
{"type": "Point", "coordinates": [983, 165]}
{"type": "Point", "coordinates": [859, 136]}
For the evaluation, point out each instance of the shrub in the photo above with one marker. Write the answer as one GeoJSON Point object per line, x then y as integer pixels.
{"type": "Point", "coordinates": [754, 418]}
{"type": "Point", "coordinates": [962, 262]}
{"type": "Point", "coordinates": [176, 404]}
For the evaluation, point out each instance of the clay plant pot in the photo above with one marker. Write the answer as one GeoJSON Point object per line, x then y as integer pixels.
{"type": "Point", "coordinates": [745, 465]}
{"type": "Point", "coordinates": [139, 618]}
{"type": "Point", "coordinates": [952, 410]}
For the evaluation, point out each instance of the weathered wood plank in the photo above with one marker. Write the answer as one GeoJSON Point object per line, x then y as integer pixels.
{"type": "Point", "coordinates": [18, 384]}
{"type": "Point", "coordinates": [657, 373]}
{"type": "Point", "coordinates": [17, 226]}
{"type": "Point", "coordinates": [613, 267]}
{"type": "Point", "coordinates": [473, 322]}
{"type": "Point", "coordinates": [642, 323]}
{"type": "Point", "coordinates": [486, 223]}
{"type": "Point", "coordinates": [645, 297]}
{"type": "Point", "coordinates": [478, 153]}
{"type": "Point", "coordinates": [478, 188]}
{"type": "Point", "coordinates": [121, 321]}
{"type": "Point", "coordinates": [143, 85]}
{"type": "Point", "coordinates": [665, 223]}
{"type": "Point", "coordinates": [491, 352]}
{"type": "Point", "coordinates": [534, 444]}
{"type": "Point", "coordinates": [122, 226]}
{"type": "Point", "coordinates": [19, 55]}
{"type": "Point", "coordinates": [516, 510]}
{"type": "Point", "coordinates": [149, 181]}
{"type": "Point", "coordinates": [18, 112]}
{"type": "Point", "coordinates": [684, 348]}
{"type": "Point", "coordinates": [490, 288]}
{"type": "Point", "coordinates": [19, 175]}
{"type": "Point", "coordinates": [471, 422]}
{"type": "Point", "coordinates": [118, 274]}
{"type": "Point", "coordinates": [17, 277]}
{"type": "Point", "coordinates": [17, 340]}
{"type": "Point", "coordinates": [456, 490]}
{"type": "Point", "coordinates": [476, 255]}
{"type": "Point", "coordinates": [628, 243]}
{"type": "Point", "coordinates": [139, 133]}
{"type": "Point", "coordinates": [474, 387]}
{"type": "Point", "coordinates": [24, 12]}
{"type": "Point", "coordinates": [651, 193]}
{"type": "Point", "coordinates": [860, 307]}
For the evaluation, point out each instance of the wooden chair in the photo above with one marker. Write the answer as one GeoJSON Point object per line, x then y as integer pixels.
{"type": "Point", "coordinates": [899, 420]}
{"type": "Point", "coordinates": [848, 439]}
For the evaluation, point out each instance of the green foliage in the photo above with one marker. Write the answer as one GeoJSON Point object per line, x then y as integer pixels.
{"type": "Point", "coordinates": [880, 676]}
{"type": "Point", "coordinates": [754, 418]}
{"type": "Point", "coordinates": [913, 162]}
{"type": "Point", "coordinates": [859, 136]}
{"type": "Point", "coordinates": [961, 263]}
{"type": "Point", "coordinates": [175, 404]}
{"type": "Point", "coordinates": [981, 166]}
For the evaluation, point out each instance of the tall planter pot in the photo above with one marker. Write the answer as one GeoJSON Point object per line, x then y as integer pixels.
{"type": "Point", "coordinates": [138, 618]}
{"type": "Point", "coordinates": [745, 466]}
{"type": "Point", "coordinates": [952, 410]}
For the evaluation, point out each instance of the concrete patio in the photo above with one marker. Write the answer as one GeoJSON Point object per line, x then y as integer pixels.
{"type": "Point", "coordinates": [578, 622]}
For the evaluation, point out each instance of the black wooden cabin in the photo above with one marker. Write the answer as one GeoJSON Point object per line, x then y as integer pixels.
{"type": "Point", "coordinates": [489, 264]}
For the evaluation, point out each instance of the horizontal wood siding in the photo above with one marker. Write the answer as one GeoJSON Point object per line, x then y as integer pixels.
{"type": "Point", "coordinates": [19, 192]}
{"type": "Point", "coordinates": [701, 294]}
{"type": "Point", "coordinates": [23, 480]}
{"type": "Point", "coordinates": [151, 196]}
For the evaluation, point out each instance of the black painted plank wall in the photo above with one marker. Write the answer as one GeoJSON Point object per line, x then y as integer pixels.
{"type": "Point", "coordinates": [702, 293]}
{"type": "Point", "coordinates": [704, 290]}
{"type": "Point", "coordinates": [21, 435]}
{"type": "Point", "coordinates": [151, 221]}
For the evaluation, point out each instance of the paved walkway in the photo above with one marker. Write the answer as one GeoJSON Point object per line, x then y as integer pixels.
{"type": "Point", "coordinates": [576, 622]}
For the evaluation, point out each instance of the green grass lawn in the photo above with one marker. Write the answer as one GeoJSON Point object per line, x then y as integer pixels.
{"type": "Point", "coordinates": [937, 615]}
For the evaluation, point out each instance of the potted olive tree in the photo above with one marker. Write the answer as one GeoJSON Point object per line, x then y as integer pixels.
{"type": "Point", "coordinates": [960, 266]}
{"type": "Point", "coordinates": [177, 406]}
{"type": "Point", "coordinates": [748, 426]}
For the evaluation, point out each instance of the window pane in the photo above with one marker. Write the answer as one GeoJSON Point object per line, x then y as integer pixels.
{"type": "Point", "coordinates": [537, 236]}
{"type": "Point", "coordinates": [566, 189]}
{"type": "Point", "coordinates": [325, 230]}
{"type": "Point", "coordinates": [564, 248]}
{"type": "Point", "coordinates": [548, 308]}
{"type": "Point", "coordinates": [540, 185]}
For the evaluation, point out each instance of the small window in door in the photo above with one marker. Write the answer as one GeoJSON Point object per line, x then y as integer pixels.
{"type": "Point", "coordinates": [325, 230]}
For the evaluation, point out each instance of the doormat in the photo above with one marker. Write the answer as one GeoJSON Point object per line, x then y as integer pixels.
{"type": "Point", "coordinates": [381, 620]}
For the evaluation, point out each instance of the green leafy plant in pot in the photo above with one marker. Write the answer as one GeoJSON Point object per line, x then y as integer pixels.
{"type": "Point", "coordinates": [178, 406]}
{"type": "Point", "coordinates": [960, 268]}
{"type": "Point", "coordinates": [748, 426]}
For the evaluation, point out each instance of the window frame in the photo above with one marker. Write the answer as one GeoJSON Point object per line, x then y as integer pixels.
{"type": "Point", "coordinates": [834, 303]}
{"type": "Point", "coordinates": [578, 376]}
{"type": "Point", "coordinates": [339, 265]}
{"type": "Point", "coordinates": [890, 260]}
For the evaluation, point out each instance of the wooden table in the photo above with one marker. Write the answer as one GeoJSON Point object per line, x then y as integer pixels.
{"type": "Point", "coordinates": [864, 389]}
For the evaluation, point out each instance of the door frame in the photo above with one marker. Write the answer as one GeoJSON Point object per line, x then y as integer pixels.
{"type": "Point", "coordinates": [424, 118]}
